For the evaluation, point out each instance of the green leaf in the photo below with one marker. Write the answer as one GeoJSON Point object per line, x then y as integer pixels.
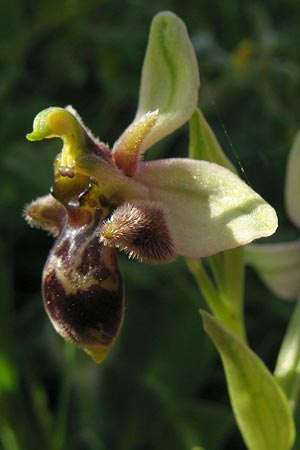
{"type": "Point", "coordinates": [204, 144]}
{"type": "Point", "coordinates": [287, 371]}
{"type": "Point", "coordinates": [259, 404]}
{"type": "Point", "coordinates": [170, 78]}
{"type": "Point", "coordinates": [8, 438]}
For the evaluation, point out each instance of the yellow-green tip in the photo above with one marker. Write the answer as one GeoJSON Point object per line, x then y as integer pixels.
{"type": "Point", "coordinates": [54, 122]}
{"type": "Point", "coordinates": [34, 136]}
{"type": "Point", "coordinates": [97, 352]}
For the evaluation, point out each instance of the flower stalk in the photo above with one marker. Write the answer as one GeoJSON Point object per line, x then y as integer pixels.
{"type": "Point", "coordinates": [217, 301]}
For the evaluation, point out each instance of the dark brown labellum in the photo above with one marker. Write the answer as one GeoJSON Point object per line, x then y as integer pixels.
{"type": "Point", "coordinates": [83, 290]}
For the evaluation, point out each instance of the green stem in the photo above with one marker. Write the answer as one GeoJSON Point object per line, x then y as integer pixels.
{"type": "Point", "coordinates": [216, 264]}
{"type": "Point", "coordinates": [228, 269]}
{"type": "Point", "coordinates": [234, 269]}
{"type": "Point", "coordinates": [222, 310]}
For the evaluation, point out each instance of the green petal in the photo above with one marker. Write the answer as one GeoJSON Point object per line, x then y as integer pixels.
{"type": "Point", "coordinates": [259, 404]}
{"type": "Point", "coordinates": [292, 184]}
{"type": "Point", "coordinates": [209, 208]}
{"type": "Point", "coordinates": [278, 265]}
{"type": "Point", "coordinates": [203, 142]}
{"type": "Point", "coordinates": [170, 78]}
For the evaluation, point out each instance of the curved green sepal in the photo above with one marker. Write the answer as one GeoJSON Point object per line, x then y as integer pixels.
{"type": "Point", "coordinates": [204, 144]}
{"type": "Point", "coordinates": [170, 78]}
{"type": "Point", "coordinates": [292, 183]}
{"type": "Point", "coordinates": [260, 406]}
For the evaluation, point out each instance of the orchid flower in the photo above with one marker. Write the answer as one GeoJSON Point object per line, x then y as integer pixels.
{"type": "Point", "coordinates": [278, 264]}
{"type": "Point", "coordinates": [104, 199]}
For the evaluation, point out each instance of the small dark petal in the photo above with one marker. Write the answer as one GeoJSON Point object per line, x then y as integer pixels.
{"type": "Point", "coordinates": [46, 213]}
{"type": "Point", "coordinates": [140, 229]}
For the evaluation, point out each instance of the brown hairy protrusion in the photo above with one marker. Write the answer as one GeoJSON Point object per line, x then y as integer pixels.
{"type": "Point", "coordinates": [46, 213]}
{"type": "Point", "coordinates": [140, 229]}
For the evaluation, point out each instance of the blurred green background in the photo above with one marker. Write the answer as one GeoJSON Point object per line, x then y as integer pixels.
{"type": "Point", "coordinates": [162, 387]}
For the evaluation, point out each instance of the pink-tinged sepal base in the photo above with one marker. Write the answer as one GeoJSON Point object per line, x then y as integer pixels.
{"type": "Point", "coordinates": [127, 149]}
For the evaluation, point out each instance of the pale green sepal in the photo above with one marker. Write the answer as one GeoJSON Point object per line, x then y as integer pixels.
{"type": "Point", "coordinates": [278, 266]}
{"type": "Point", "coordinates": [260, 406]}
{"type": "Point", "coordinates": [204, 144]}
{"type": "Point", "coordinates": [170, 78]}
{"type": "Point", "coordinates": [287, 370]}
{"type": "Point", "coordinates": [292, 183]}
{"type": "Point", "coordinates": [209, 209]}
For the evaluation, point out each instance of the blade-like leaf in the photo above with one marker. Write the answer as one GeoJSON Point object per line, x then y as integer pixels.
{"type": "Point", "coordinates": [259, 404]}
{"type": "Point", "coordinates": [287, 369]}
{"type": "Point", "coordinates": [170, 78]}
